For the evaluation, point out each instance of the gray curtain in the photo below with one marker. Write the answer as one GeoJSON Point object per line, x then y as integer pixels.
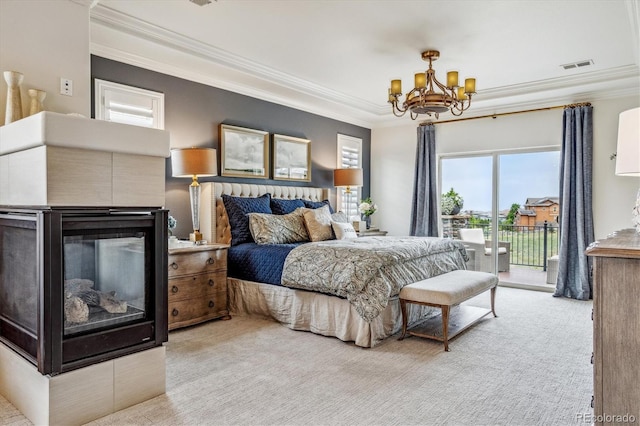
{"type": "Point", "coordinates": [424, 210]}
{"type": "Point", "coordinates": [576, 215]}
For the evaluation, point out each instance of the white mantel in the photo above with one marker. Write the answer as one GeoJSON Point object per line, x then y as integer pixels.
{"type": "Point", "coordinates": [52, 159]}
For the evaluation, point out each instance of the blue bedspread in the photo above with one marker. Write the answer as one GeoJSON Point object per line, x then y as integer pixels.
{"type": "Point", "coordinates": [260, 263]}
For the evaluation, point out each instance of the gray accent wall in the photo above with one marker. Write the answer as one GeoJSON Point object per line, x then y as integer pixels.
{"type": "Point", "coordinates": [194, 111]}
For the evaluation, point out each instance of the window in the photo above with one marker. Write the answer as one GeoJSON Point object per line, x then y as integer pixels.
{"type": "Point", "coordinates": [129, 105]}
{"type": "Point", "coordinates": [349, 156]}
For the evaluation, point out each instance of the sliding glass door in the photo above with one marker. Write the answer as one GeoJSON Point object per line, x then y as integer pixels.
{"type": "Point", "coordinates": [513, 198]}
{"type": "Point", "coordinates": [469, 179]}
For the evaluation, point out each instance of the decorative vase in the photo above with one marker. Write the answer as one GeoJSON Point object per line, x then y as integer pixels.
{"type": "Point", "coordinates": [37, 97]}
{"type": "Point", "coordinates": [455, 211]}
{"type": "Point", "coordinates": [367, 220]}
{"type": "Point", "coordinates": [14, 98]}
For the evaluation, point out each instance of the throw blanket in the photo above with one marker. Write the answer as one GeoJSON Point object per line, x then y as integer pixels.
{"type": "Point", "coordinates": [370, 270]}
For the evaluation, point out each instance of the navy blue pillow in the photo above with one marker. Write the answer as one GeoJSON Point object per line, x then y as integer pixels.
{"type": "Point", "coordinates": [237, 210]}
{"type": "Point", "coordinates": [318, 204]}
{"type": "Point", "coordinates": [280, 206]}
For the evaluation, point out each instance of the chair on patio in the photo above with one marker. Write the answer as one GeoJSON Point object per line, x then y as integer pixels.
{"type": "Point", "coordinates": [474, 239]}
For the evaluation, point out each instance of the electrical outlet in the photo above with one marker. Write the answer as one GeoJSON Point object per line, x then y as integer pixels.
{"type": "Point", "coordinates": [66, 87]}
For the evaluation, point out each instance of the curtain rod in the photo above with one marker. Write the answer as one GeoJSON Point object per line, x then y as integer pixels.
{"type": "Point", "coordinates": [426, 123]}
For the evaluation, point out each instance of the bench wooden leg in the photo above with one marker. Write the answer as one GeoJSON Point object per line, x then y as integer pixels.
{"type": "Point", "coordinates": [445, 326]}
{"type": "Point", "coordinates": [493, 301]}
{"type": "Point", "coordinates": [403, 308]}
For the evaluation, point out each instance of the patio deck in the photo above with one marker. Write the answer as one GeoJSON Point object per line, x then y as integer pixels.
{"type": "Point", "coordinates": [526, 277]}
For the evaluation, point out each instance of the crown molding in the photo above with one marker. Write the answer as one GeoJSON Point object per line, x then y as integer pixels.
{"type": "Point", "coordinates": [610, 76]}
{"type": "Point", "coordinates": [118, 21]}
{"type": "Point", "coordinates": [514, 106]}
{"type": "Point", "coordinates": [208, 79]}
{"type": "Point", "coordinates": [316, 99]}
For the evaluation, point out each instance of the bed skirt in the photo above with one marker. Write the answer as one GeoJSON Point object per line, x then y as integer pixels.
{"type": "Point", "coordinates": [320, 313]}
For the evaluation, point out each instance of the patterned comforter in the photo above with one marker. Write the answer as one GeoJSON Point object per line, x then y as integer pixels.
{"type": "Point", "coordinates": [370, 270]}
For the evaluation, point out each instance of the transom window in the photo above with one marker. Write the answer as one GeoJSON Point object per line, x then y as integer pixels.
{"type": "Point", "coordinates": [129, 105]}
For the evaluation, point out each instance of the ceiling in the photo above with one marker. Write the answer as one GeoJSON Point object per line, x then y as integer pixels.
{"type": "Point", "coordinates": [336, 58]}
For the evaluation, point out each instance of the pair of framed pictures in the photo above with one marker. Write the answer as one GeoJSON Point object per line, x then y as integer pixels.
{"type": "Point", "coordinates": [245, 153]}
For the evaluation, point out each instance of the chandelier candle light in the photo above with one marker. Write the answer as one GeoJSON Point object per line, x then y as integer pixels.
{"type": "Point", "coordinates": [429, 96]}
{"type": "Point", "coordinates": [194, 162]}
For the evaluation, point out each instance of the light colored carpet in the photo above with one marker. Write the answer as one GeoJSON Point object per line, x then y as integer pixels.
{"type": "Point", "coordinates": [529, 366]}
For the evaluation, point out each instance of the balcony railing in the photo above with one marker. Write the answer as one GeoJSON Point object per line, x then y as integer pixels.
{"type": "Point", "coordinates": [530, 245]}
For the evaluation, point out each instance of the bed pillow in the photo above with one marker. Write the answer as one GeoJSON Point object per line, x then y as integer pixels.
{"type": "Point", "coordinates": [281, 206]}
{"type": "Point", "coordinates": [317, 204]}
{"type": "Point", "coordinates": [318, 223]}
{"type": "Point", "coordinates": [343, 231]}
{"type": "Point", "coordinates": [339, 217]}
{"type": "Point", "coordinates": [237, 210]}
{"type": "Point", "coordinates": [278, 228]}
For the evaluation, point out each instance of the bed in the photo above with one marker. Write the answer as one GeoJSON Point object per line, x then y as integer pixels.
{"type": "Point", "coordinates": [308, 301]}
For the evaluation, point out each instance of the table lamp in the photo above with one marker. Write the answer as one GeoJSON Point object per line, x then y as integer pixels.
{"type": "Point", "coordinates": [347, 178]}
{"type": "Point", "coordinates": [628, 152]}
{"type": "Point", "coordinates": [194, 162]}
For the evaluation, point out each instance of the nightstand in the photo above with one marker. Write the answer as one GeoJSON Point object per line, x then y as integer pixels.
{"type": "Point", "coordinates": [197, 284]}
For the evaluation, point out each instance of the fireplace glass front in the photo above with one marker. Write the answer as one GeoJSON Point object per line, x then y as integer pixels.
{"type": "Point", "coordinates": [82, 286]}
{"type": "Point", "coordinates": [104, 280]}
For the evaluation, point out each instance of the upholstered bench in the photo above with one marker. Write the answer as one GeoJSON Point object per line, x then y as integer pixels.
{"type": "Point", "coordinates": [444, 291]}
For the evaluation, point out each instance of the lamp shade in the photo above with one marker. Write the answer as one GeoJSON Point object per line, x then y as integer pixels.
{"type": "Point", "coordinates": [347, 177]}
{"type": "Point", "coordinates": [628, 152]}
{"type": "Point", "coordinates": [190, 162]}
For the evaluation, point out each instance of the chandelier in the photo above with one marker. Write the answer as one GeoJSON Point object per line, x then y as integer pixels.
{"type": "Point", "coordinates": [430, 96]}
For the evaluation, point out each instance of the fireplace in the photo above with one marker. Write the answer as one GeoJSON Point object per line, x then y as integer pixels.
{"type": "Point", "coordinates": [79, 286]}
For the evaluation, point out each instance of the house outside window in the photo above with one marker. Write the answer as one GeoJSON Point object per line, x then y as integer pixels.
{"type": "Point", "coordinates": [535, 212]}
{"type": "Point", "coordinates": [128, 105]}
{"type": "Point", "coordinates": [349, 156]}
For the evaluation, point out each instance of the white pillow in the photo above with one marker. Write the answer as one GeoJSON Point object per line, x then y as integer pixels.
{"type": "Point", "coordinates": [343, 231]}
{"type": "Point", "coordinates": [339, 217]}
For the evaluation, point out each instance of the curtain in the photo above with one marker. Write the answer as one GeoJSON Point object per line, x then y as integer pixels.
{"type": "Point", "coordinates": [576, 215]}
{"type": "Point", "coordinates": [424, 210]}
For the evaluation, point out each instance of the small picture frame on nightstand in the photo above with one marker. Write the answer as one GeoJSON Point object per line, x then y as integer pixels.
{"type": "Point", "coordinates": [359, 225]}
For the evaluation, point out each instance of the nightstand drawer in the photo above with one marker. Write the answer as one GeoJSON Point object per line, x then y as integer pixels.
{"type": "Point", "coordinates": [193, 311]}
{"type": "Point", "coordinates": [196, 286]}
{"type": "Point", "coordinates": [197, 262]}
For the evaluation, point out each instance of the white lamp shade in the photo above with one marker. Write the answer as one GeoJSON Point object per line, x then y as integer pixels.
{"type": "Point", "coordinates": [628, 152]}
{"type": "Point", "coordinates": [347, 177]}
{"type": "Point", "coordinates": [190, 162]}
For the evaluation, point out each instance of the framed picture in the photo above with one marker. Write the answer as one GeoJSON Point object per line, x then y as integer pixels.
{"type": "Point", "coordinates": [244, 152]}
{"type": "Point", "coordinates": [291, 158]}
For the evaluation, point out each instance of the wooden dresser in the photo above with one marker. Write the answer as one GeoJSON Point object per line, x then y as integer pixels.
{"type": "Point", "coordinates": [197, 284]}
{"type": "Point", "coordinates": [616, 327]}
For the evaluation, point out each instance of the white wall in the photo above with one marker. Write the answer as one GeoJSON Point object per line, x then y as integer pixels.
{"type": "Point", "coordinates": [47, 40]}
{"type": "Point", "coordinates": [613, 196]}
{"type": "Point", "coordinates": [393, 159]}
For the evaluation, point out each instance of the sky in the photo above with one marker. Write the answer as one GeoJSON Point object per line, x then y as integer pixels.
{"type": "Point", "coordinates": [521, 176]}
